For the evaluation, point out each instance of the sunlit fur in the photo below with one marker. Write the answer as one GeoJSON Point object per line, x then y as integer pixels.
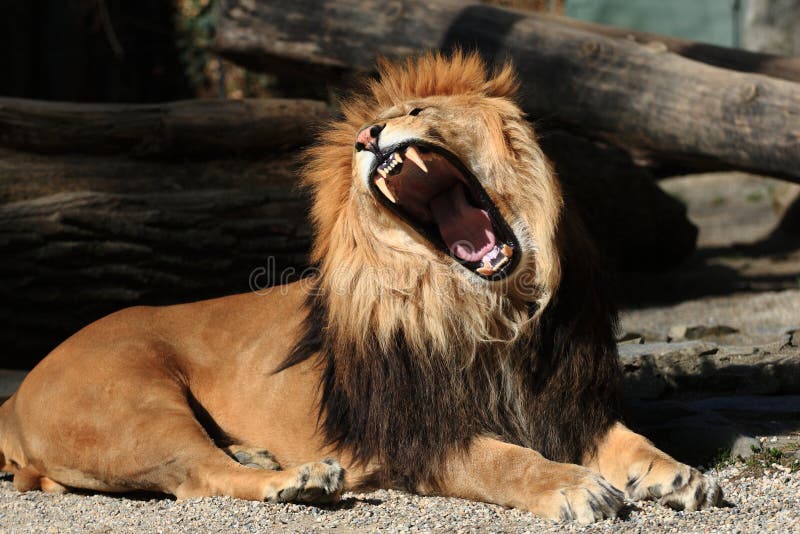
{"type": "Point", "coordinates": [419, 354]}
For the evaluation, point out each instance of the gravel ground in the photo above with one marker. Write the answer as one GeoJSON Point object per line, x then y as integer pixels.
{"type": "Point", "coordinates": [767, 503]}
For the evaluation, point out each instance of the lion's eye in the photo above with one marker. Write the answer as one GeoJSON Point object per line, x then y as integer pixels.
{"type": "Point", "coordinates": [414, 112]}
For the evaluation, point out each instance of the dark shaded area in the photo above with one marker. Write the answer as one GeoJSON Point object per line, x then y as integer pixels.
{"type": "Point", "coordinates": [472, 23]}
{"type": "Point", "coordinates": [637, 225]}
{"type": "Point", "coordinates": [706, 274]}
{"type": "Point", "coordinates": [206, 420]}
{"type": "Point", "coordinates": [90, 51]}
{"type": "Point", "coordinates": [789, 227]}
{"type": "Point", "coordinates": [696, 431]}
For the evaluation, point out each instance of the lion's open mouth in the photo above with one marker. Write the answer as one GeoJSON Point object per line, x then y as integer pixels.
{"type": "Point", "coordinates": [430, 189]}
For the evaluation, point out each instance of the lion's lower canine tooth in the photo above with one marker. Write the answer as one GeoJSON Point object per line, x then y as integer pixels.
{"type": "Point", "coordinates": [508, 251]}
{"type": "Point", "coordinates": [413, 155]}
{"type": "Point", "coordinates": [381, 183]}
{"type": "Point", "coordinates": [485, 271]}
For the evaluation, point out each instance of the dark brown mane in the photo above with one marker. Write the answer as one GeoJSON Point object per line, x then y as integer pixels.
{"type": "Point", "coordinates": [405, 413]}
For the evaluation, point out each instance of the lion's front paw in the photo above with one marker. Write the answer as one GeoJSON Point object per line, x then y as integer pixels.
{"type": "Point", "coordinates": [317, 482]}
{"type": "Point", "coordinates": [674, 484]}
{"type": "Point", "coordinates": [582, 496]}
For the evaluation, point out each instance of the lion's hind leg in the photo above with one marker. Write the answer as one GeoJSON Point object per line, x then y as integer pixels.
{"type": "Point", "coordinates": [633, 464]}
{"type": "Point", "coordinates": [161, 446]}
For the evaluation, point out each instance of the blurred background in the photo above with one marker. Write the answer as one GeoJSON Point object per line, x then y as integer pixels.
{"type": "Point", "coordinates": [148, 150]}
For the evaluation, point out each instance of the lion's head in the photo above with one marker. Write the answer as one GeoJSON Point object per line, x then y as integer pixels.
{"type": "Point", "coordinates": [431, 196]}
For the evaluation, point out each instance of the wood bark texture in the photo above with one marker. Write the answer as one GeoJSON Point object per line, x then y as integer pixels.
{"type": "Point", "coordinates": [71, 258]}
{"type": "Point", "coordinates": [190, 127]}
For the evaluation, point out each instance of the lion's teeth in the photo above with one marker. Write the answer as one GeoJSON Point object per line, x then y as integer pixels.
{"type": "Point", "coordinates": [485, 270]}
{"type": "Point", "coordinates": [397, 158]}
{"type": "Point", "coordinates": [503, 261]}
{"type": "Point", "coordinates": [381, 183]}
{"type": "Point", "coordinates": [382, 172]}
{"type": "Point", "coordinates": [413, 155]}
{"type": "Point", "coordinates": [507, 251]}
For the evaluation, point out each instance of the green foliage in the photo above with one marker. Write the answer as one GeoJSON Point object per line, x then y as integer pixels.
{"type": "Point", "coordinates": [765, 459]}
{"type": "Point", "coordinates": [722, 458]}
{"type": "Point", "coordinates": [209, 75]}
{"type": "Point", "coordinates": [196, 23]}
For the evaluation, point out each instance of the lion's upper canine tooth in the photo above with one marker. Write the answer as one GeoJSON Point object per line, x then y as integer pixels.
{"type": "Point", "coordinates": [413, 155]}
{"type": "Point", "coordinates": [381, 183]}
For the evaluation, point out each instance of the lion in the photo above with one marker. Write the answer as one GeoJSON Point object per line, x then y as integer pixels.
{"type": "Point", "coordinates": [455, 338]}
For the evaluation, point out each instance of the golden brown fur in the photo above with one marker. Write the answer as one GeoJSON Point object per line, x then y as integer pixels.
{"type": "Point", "coordinates": [393, 360]}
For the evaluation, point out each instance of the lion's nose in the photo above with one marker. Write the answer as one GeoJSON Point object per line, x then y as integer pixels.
{"type": "Point", "coordinates": [368, 137]}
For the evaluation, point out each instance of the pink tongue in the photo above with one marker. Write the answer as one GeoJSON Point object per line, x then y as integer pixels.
{"type": "Point", "coordinates": [466, 230]}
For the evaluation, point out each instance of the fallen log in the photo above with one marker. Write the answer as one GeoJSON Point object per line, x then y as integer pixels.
{"type": "Point", "coordinates": [191, 127]}
{"type": "Point", "coordinates": [653, 102]}
{"type": "Point", "coordinates": [783, 67]}
{"type": "Point", "coordinates": [26, 176]}
{"type": "Point", "coordinates": [71, 258]}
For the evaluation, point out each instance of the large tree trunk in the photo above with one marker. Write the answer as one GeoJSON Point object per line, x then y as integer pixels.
{"type": "Point", "coordinates": [71, 258]}
{"type": "Point", "coordinates": [654, 102]}
{"type": "Point", "coordinates": [196, 127]}
{"type": "Point", "coordinates": [26, 176]}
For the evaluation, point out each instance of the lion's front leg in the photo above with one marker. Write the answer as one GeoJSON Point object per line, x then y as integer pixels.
{"type": "Point", "coordinates": [632, 463]}
{"type": "Point", "coordinates": [501, 473]}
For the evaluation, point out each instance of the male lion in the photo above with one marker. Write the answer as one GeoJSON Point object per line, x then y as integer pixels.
{"type": "Point", "coordinates": [454, 341]}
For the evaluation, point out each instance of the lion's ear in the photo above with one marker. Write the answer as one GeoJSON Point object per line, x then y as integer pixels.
{"type": "Point", "coordinates": [503, 82]}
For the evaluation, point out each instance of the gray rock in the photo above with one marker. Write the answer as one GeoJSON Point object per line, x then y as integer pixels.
{"type": "Point", "coordinates": [744, 447]}
{"type": "Point", "coordinates": [662, 349]}
{"type": "Point", "coordinates": [680, 332]}
{"type": "Point", "coordinates": [654, 370]}
{"type": "Point", "coordinates": [631, 337]}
